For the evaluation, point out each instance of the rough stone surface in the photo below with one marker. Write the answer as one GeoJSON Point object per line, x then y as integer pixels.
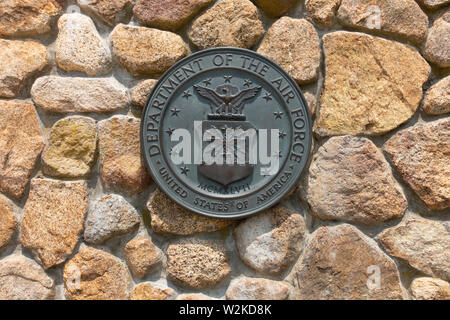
{"type": "Point", "coordinates": [437, 47]}
{"type": "Point", "coordinates": [370, 87]}
{"type": "Point", "coordinates": [168, 14]}
{"type": "Point", "coordinates": [322, 11]}
{"type": "Point", "coordinates": [109, 217]}
{"type": "Point", "coordinates": [23, 279]}
{"type": "Point", "coordinates": [53, 219]}
{"type": "Point", "coordinates": [109, 11]}
{"type": "Point", "coordinates": [425, 244]}
{"type": "Point", "coordinates": [311, 101]}
{"type": "Point", "coordinates": [142, 256]}
{"type": "Point", "coordinates": [193, 296]}
{"type": "Point", "coordinates": [294, 44]}
{"type": "Point", "coordinates": [20, 145]}
{"type": "Point", "coordinates": [234, 23]}
{"type": "Point", "coordinates": [70, 151]}
{"type": "Point", "coordinates": [197, 263]}
{"type": "Point", "coordinates": [437, 99]}
{"type": "Point", "coordinates": [8, 221]}
{"type": "Point", "coordinates": [430, 289]}
{"type": "Point", "coordinates": [276, 8]}
{"type": "Point", "coordinates": [271, 241]}
{"type": "Point", "coordinates": [79, 46]}
{"type": "Point", "coordinates": [102, 276]}
{"type": "Point", "coordinates": [14, 73]}
{"type": "Point", "coordinates": [340, 262]}
{"type": "Point", "coordinates": [401, 18]}
{"type": "Point", "coordinates": [350, 180]}
{"type": "Point", "coordinates": [122, 168]}
{"type": "Point", "coordinates": [23, 18]}
{"type": "Point", "coordinates": [421, 155]}
{"type": "Point", "coordinates": [257, 289]}
{"type": "Point", "coordinates": [148, 291]}
{"type": "Point", "coordinates": [147, 51]}
{"type": "Point", "coordinates": [433, 4]}
{"type": "Point", "coordinates": [170, 218]}
{"type": "Point", "coordinates": [141, 92]}
{"type": "Point", "coordinates": [79, 95]}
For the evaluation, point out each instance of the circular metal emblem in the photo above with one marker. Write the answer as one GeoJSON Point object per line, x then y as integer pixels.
{"type": "Point", "coordinates": [226, 133]}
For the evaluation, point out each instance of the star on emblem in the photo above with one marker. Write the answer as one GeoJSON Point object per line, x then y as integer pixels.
{"type": "Point", "coordinates": [175, 112]}
{"type": "Point", "coordinates": [278, 115]}
{"type": "Point", "coordinates": [247, 83]}
{"type": "Point", "coordinates": [187, 94]}
{"type": "Point", "coordinates": [282, 134]}
{"type": "Point", "coordinates": [267, 96]}
{"type": "Point", "coordinates": [170, 131]}
{"type": "Point", "coordinates": [184, 170]}
{"type": "Point", "coordinates": [227, 79]}
{"type": "Point", "coordinates": [207, 82]}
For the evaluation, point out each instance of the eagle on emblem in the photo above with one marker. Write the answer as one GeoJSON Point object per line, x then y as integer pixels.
{"type": "Point", "coordinates": [227, 98]}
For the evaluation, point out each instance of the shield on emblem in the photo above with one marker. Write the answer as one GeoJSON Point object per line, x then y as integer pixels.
{"type": "Point", "coordinates": [227, 173]}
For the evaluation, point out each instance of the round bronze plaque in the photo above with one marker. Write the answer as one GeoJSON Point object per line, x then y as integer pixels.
{"type": "Point", "coordinates": [226, 133]}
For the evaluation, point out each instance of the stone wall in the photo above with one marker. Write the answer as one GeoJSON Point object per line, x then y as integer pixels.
{"type": "Point", "coordinates": [81, 219]}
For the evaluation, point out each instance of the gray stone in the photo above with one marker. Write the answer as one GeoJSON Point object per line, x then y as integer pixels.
{"type": "Point", "coordinates": [108, 217]}
{"type": "Point", "coordinates": [271, 241]}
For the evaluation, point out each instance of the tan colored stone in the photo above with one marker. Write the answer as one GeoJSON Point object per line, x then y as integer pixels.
{"type": "Point", "coordinates": [53, 219]}
{"type": "Point", "coordinates": [70, 151]}
{"type": "Point", "coordinates": [23, 279]}
{"type": "Point", "coordinates": [23, 18]}
{"type": "Point", "coordinates": [79, 95]}
{"type": "Point", "coordinates": [437, 99]}
{"type": "Point", "coordinates": [141, 92]}
{"type": "Point", "coordinates": [271, 241]}
{"type": "Point", "coordinates": [233, 23]}
{"type": "Point", "coordinates": [276, 8]}
{"type": "Point", "coordinates": [433, 4]}
{"type": "Point", "coordinates": [142, 256]}
{"type": "Point", "coordinates": [197, 263]}
{"type": "Point", "coordinates": [294, 44]}
{"type": "Point", "coordinates": [109, 11]}
{"type": "Point", "coordinates": [170, 218]}
{"type": "Point", "coordinates": [425, 244]}
{"type": "Point", "coordinates": [21, 60]}
{"type": "Point", "coordinates": [193, 296]}
{"type": "Point", "coordinates": [341, 263]}
{"type": "Point", "coordinates": [350, 180]}
{"type": "Point", "coordinates": [370, 87]}
{"type": "Point", "coordinates": [421, 155]}
{"type": "Point", "coordinates": [168, 14]}
{"type": "Point", "coordinates": [101, 276]}
{"type": "Point", "coordinates": [430, 289]}
{"type": "Point", "coordinates": [311, 100]}
{"type": "Point", "coordinates": [122, 167]}
{"type": "Point", "coordinates": [322, 11]}
{"type": "Point", "coordinates": [401, 18]}
{"type": "Point", "coordinates": [8, 221]}
{"type": "Point", "coordinates": [244, 288]}
{"type": "Point", "coordinates": [109, 217]}
{"type": "Point", "coordinates": [20, 145]}
{"type": "Point", "coordinates": [437, 47]}
{"type": "Point", "coordinates": [147, 51]}
{"type": "Point", "coordinates": [148, 291]}
{"type": "Point", "coordinates": [79, 46]}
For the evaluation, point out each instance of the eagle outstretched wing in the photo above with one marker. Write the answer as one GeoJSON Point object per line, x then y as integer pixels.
{"type": "Point", "coordinates": [212, 96]}
{"type": "Point", "coordinates": [237, 103]}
